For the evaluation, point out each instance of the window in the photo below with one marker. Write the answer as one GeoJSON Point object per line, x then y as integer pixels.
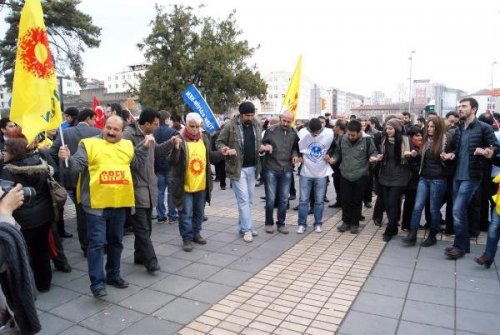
{"type": "Point", "coordinates": [275, 96]}
{"type": "Point", "coordinates": [116, 77]}
{"type": "Point", "coordinates": [116, 86]}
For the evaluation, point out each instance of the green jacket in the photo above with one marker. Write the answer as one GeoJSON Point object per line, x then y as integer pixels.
{"type": "Point", "coordinates": [232, 136]}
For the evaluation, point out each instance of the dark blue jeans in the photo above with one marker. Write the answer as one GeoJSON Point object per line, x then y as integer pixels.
{"type": "Point", "coordinates": [165, 182]}
{"type": "Point", "coordinates": [435, 189]}
{"type": "Point", "coordinates": [104, 231]}
{"type": "Point", "coordinates": [277, 188]}
{"type": "Point", "coordinates": [192, 215]}
{"type": "Point", "coordinates": [493, 234]}
{"type": "Point", "coordinates": [463, 192]}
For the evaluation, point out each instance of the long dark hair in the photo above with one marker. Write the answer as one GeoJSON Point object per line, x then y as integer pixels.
{"type": "Point", "coordinates": [398, 139]}
{"type": "Point", "coordinates": [437, 138]}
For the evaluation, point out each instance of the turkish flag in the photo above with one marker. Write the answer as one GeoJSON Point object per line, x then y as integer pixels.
{"type": "Point", "coordinates": [100, 117]}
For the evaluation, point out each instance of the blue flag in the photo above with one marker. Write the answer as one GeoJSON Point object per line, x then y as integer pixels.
{"type": "Point", "coordinates": [195, 101]}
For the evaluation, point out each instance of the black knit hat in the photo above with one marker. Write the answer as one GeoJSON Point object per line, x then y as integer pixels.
{"type": "Point", "coordinates": [247, 108]}
{"type": "Point", "coordinates": [71, 111]}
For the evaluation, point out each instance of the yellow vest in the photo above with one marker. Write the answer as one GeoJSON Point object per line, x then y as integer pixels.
{"type": "Point", "coordinates": [195, 178]}
{"type": "Point", "coordinates": [109, 171]}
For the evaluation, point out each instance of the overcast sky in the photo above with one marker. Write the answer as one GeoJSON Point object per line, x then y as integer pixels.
{"type": "Point", "coordinates": [355, 45]}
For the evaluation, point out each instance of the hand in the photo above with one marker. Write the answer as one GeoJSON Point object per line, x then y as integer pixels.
{"type": "Point", "coordinates": [295, 160]}
{"type": "Point", "coordinates": [226, 151]}
{"type": "Point", "coordinates": [63, 153]}
{"type": "Point", "coordinates": [328, 159]}
{"type": "Point", "coordinates": [412, 153]}
{"type": "Point", "coordinates": [12, 200]}
{"type": "Point", "coordinates": [266, 148]}
{"type": "Point", "coordinates": [149, 140]}
{"type": "Point", "coordinates": [447, 156]}
{"type": "Point", "coordinates": [488, 152]}
{"type": "Point", "coordinates": [479, 152]}
{"type": "Point", "coordinates": [176, 141]}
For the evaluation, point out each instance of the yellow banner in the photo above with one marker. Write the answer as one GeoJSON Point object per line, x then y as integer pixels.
{"type": "Point", "coordinates": [291, 100]}
{"type": "Point", "coordinates": [35, 96]}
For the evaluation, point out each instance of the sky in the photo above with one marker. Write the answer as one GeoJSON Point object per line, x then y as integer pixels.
{"type": "Point", "coordinates": [354, 45]}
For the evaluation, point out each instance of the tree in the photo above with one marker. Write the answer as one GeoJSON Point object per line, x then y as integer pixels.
{"type": "Point", "coordinates": [184, 49]}
{"type": "Point", "coordinates": [70, 32]}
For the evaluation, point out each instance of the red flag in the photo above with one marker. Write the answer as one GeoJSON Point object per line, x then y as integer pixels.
{"type": "Point", "coordinates": [100, 117]}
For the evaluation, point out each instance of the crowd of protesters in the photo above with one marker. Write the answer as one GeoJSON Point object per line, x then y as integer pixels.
{"type": "Point", "coordinates": [435, 165]}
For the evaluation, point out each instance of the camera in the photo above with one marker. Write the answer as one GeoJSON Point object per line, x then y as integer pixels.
{"type": "Point", "coordinates": [28, 192]}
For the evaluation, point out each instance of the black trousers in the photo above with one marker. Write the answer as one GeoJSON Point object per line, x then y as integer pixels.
{"type": "Point", "coordinates": [367, 197]}
{"type": "Point", "coordinates": [81, 227]}
{"type": "Point", "coordinates": [352, 199]}
{"type": "Point", "coordinates": [37, 240]}
{"type": "Point", "coordinates": [60, 260]}
{"type": "Point", "coordinates": [220, 172]}
{"type": "Point", "coordinates": [392, 200]}
{"type": "Point", "coordinates": [409, 204]}
{"type": "Point", "coordinates": [336, 184]}
{"type": "Point", "coordinates": [141, 221]}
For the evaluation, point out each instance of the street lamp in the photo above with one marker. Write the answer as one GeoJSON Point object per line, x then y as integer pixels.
{"type": "Point", "coordinates": [409, 95]}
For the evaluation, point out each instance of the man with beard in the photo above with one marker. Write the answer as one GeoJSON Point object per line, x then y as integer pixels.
{"type": "Point", "coordinates": [240, 142]}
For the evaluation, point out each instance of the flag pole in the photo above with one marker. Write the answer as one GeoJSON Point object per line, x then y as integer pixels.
{"type": "Point", "coordinates": [62, 143]}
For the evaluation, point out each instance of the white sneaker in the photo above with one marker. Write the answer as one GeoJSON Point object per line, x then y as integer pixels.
{"type": "Point", "coordinates": [301, 230]}
{"type": "Point", "coordinates": [247, 237]}
{"type": "Point", "coordinates": [255, 233]}
{"type": "Point", "coordinates": [318, 229]}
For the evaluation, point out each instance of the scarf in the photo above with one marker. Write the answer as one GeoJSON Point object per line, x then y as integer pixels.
{"type": "Point", "coordinates": [187, 136]}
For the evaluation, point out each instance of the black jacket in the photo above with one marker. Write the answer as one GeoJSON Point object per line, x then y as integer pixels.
{"type": "Point", "coordinates": [31, 171]}
{"type": "Point", "coordinates": [481, 136]}
{"type": "Point", "coordinates": [163, 134]}
{"type": "Point", "coordinates": [435, 168]}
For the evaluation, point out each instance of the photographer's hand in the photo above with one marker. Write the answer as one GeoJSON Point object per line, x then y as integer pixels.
{"type": "Point", "coordinates": [11, 200]}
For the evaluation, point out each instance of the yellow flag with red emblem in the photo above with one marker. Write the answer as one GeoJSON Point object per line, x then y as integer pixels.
{"type": "Point", "coordinates": [35, 97]}
{"type": "Point", "coordinates": [291, 100]}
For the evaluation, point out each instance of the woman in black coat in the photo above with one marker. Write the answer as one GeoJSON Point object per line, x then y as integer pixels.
{"type": "Point", "coordinates": [35, 216]}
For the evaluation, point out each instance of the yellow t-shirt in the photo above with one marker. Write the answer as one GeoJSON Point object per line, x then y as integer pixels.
{"type": "Point", "coordinates": [195, 178]}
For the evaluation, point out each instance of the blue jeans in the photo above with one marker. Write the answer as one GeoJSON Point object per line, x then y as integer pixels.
{"type": "Point", "coordinates": [277, 188]}
{"type": "Point", "coordinates": [244, 189]}
{"type": "Point", "coordinates": [493, 234]}
{"type": "Point", "coordinates": [318, 186]}
{"type": "Point", "coordinates": [164, 182]}
{"type": "Point", "coordinates": [191, 215]}
{"type": "Point", "coordinates": [435, 189]}
{"type": "Point", "coordinates": [104, 231]}
{"type": "Point", "coordinates": [463, 192]}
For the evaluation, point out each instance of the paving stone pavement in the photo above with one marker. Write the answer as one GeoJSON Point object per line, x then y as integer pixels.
{"type": "Point", "coordinates": [315, 283]}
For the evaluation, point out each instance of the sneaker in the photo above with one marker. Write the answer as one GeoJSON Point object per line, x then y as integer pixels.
{"type": "Point", "coordinates": [100, 293]}
{"type": "Point", "coordinates": [173, 221]}
{"type": "Point", "coordinates": [301, 230]}
{"type": "Point", "coordinates": [161, 220]}
{"type": "Point", "coordinates": [269, 229]}
{"type": "Point", "coordinates": [248, 236]}
{"type": "Point", "coordinates": [318, 229]}
{"type": "Point", "coordinates": [118, 283]}
{"type": "Point", "coordinates": [354, 229]}
{"type": "Point", "coordinates": [152, 266]}
{"type": "Point", "coordinates": [255, 233]}
{"type": "Point", "coordinates": [187, 245]}
{"type": "Point", "coordinates": [283, 230]}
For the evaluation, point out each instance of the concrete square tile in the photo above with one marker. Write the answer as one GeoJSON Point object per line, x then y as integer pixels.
{"type": "Point", "coordinates": [432, 294]}
{"type": "Point", "coordinates": [386, 286]}
{"type": "Point", "coordinates": [192, 256]}
{"type": "Point", "coordinates": [199, 271]}
{"type": "Point", "coordinates": [379, 304]}
{"type": "Point", "coordinates": [172, 264]}
{"type": "Point", "coordinates": [237, 249]}
{"type": "Point", "coordinates": [142, 278]}
{"type": "Point", "coordinates": [435, 264]}
{"type": "Point", "coordinates": [80, 308]}
{"type": "Point", "coordinates": [78, 330]}
{"type": "Point", "coordinates": [218, 259]}
{"type": "Point", "coordinates": [230, 277]}
{"type": "Point", "coordinates": [431, 314]}
{"type": "Point", "coordinates": [208, 292]}
{"type": "Point", "coordinates": [152, 325]}
{"type": "Point", "coordinates": [249, 264]}
{"type": "Point", "coordinates": [434, 278]}
{"type": "Point", "coordinates": [181, 310]}
{"type": "Point", "coordinates": [146, 301]}
{"type": "Point", "coordinates": [477, 322]}
{"type": "Point", "coordinates": [52, 324]}
{"type": "Point", "coordinates": [55, 297]}
{"type": "Point", "coordinates": [478, 284]}
{"type": "Point", "coordinates": [60, 278]}
{"type": "Point", "coordinates": [112, 320]}
{"type": "Point", "coordinates": [357, 323]}
{"type": "Point", "coordinates": [392, 272]}
{"type": "Point", "coordinates": [411, 328]}
{"type": "Point", "coordinates": [175, 284]}
{"type": "Point", "coordinates": [486, 302]}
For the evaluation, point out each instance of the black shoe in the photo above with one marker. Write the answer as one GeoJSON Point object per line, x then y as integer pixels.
{"type": "Point", "coordinates": [326, 200]}
{"type": "Point", "coordinates": [335, 205]}
{"type": "Point", "coordinates": [65, 234]}
{"type": "Point", "coordinates": [223, 188]}
{"type": "Point", "coordinates": [430, 240]}
{"type": "Point", "coordinates": [386, 237]}
{"type": "Point", "coordinates": [411, 238]}
{"type": "Point", "coordinates": [344, 227]}
{"type": "Point", "coordinates": [377, 222]}
{"type": "Point", "coordinates": [292, 197]}
{"type": "Point", "coordinates": [310, 211]}
{"type": "Point", "coordinates": [354, 229]}
{"type": "Point", "coordinates": [205, 218]}
{"type": "Point", "coordinates": [263, 197]}
{"type": "Point", "coordinates": [66, 268]}
{"type": "Point", "coordinates": [362, 218]}
{"type": "Point", "coordinates": [296, 208]}
{"type": "Point", "coordinates": [161, 220]}
{"type": "Point", "coordinates": [100, 293]}
{"type": "Point", "coordinates": [118, 283]}
{"type": "Point", "coordinates": [454, 253]}
{"type": "Point", "coordinates": [152, 266]}
{"type": "Point", "coordinates": [138, 261]}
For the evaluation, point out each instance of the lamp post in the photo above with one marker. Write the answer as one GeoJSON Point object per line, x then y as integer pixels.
{"type": "Point", "coordinates": [409, 95]}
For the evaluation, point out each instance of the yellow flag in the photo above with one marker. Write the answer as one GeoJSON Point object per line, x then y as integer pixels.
{"type": "Point", "coordinates": [496, 197]}
{"type": "Point", "coordinates": [291, 101]}
{"type": "Point", "coordinates": [35, 96]}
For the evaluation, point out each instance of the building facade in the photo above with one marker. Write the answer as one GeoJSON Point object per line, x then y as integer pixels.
{"type": "Point", "coordinates": [125, 80]}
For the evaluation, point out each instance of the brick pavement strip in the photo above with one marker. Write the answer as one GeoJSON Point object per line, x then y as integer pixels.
{"type": "Point", "coordinates": [316, 282]}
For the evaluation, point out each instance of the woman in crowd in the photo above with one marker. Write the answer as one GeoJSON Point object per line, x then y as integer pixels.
{"type": "Point", "coordinates": [433, 180]}
{"type": "Point", "coordinates": [35, 216]}
{"type": "Point", "coordinates": [394, 172]}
